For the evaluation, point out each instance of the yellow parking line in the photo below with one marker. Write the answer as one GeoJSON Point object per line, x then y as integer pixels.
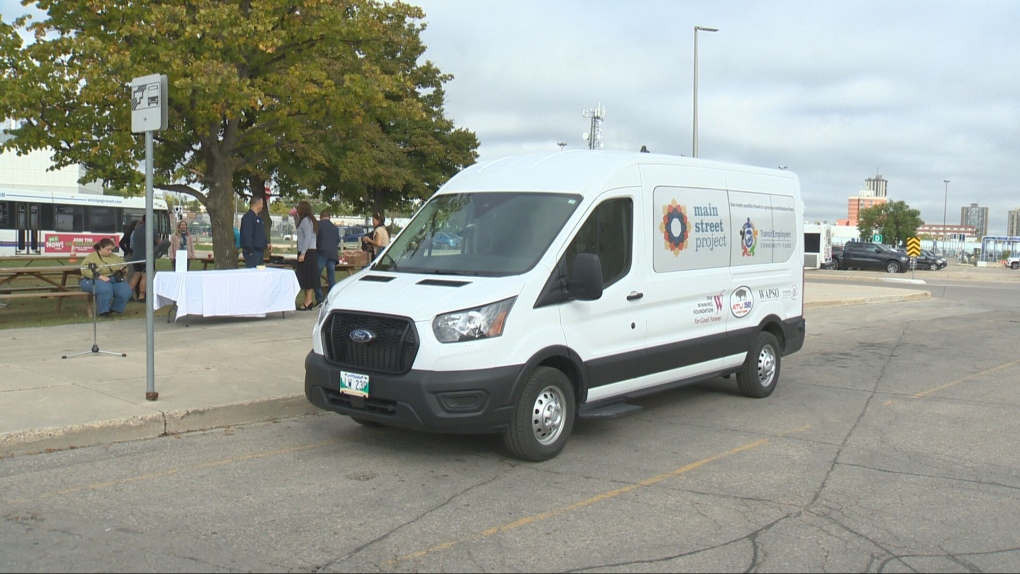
{"type": "Point", "coordinates": [922, 394]}
{"type": "Point", "coordinates": [967, 378]}
{"type": "Point", "coordinates": [581, 504]}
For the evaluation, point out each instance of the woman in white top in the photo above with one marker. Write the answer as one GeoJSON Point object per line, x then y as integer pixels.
{"type": "Point", "coordinates": [380, 237]}
{"type": "Point", "coordinates": [182, 240]}
{"type": "Point", "coordinates": [307, 267]}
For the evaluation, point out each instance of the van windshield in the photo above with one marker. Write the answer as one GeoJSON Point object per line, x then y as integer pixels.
{"type": "Point", "coordinates": [487, 234]}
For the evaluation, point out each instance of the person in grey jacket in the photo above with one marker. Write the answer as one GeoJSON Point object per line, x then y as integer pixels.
{"type": "Point", "coordinates": [308, 257]}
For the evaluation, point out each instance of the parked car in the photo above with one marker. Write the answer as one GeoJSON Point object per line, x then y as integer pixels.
{"type": "Point", "coordinates": [837, 254]}
{"type": "Point", "coordinates": [1013, 262]}
{"type": "Point", "coordinates": [866, 255]}
{"type": "Point", "coordinates": [354, 233]}
{"type": "Point", "coordinates": [443, 240]}
{"type": "Point", "coordinates": [928, 260]}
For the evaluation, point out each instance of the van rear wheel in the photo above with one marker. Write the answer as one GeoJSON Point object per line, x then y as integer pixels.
{"type": "Point", "coordinates": [543, 417]}
{"type": "Point", "coordinates": [760, 373]}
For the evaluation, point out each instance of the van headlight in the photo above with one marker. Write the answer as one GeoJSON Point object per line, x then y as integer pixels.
{"type": "Point", "coordinates": [471, 324]}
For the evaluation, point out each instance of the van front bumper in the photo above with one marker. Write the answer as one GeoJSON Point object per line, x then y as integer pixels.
{"type": "Point", "coordinates": [464, 402]}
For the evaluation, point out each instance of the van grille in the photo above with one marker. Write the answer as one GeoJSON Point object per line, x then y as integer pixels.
{"type": "Point", "coordinates": [391, 351]}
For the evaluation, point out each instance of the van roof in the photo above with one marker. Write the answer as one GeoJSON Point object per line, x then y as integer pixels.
{"type": "Point", "coordinates": [578, 171]}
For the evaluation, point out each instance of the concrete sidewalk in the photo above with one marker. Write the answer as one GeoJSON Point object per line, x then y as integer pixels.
{"type": "Point", "coordinates": [209, 373]}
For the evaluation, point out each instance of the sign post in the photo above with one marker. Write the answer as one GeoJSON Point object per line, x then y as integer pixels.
{"type": "Point", "coordinates": [913, 250]}
{"type": "Point", "coordinates": [148, 114]}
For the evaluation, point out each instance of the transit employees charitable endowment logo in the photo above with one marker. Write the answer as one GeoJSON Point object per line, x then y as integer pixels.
{"type": "Point", "coordinates": [675, 227]}
{"type": "Point", "coordinates": [748, 239]}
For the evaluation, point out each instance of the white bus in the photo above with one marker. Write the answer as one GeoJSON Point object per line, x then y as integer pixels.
{"type": "Point", "coordinates": [40, 223]}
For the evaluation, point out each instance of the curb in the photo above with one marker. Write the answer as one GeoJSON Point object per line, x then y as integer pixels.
{"type": "Point", "coordinates": [912, 296]}
{"type": "Point", "coordinates": [152, 426]}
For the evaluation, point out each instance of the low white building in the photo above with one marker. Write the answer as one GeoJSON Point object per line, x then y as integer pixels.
{"type": "Point", "coordinates": [34, 171]}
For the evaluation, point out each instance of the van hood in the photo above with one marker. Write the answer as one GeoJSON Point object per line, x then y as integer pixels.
{"type": "Point", "coordinates": [420, 297]}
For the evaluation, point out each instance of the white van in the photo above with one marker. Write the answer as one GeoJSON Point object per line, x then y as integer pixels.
{"type": "Point", "coordinates": [533, 289]}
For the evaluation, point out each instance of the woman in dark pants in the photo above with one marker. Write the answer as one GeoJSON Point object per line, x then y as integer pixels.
{"type": "Point", "coordinates": [307, 267]}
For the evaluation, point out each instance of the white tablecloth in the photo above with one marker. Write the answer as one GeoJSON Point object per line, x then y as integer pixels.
{"type": "Point", "coordinates": [227, 292]}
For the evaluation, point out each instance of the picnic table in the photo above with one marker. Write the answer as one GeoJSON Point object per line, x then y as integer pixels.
{"type": "Point", "coordinates": [53, 281]}
{"type": "Point", "coordinates": [30, 259]}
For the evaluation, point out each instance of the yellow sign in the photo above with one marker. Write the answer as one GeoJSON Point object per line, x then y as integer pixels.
{"type": "Point", "coordinates": [913, 246]}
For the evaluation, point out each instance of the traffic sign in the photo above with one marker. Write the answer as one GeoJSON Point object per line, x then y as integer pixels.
{"type": "Point", "coordinates": [913, 246]}
{"type": "Point", "coordinates": [877, 238]}
{"type": "Point", "coordinates": [149, 103]}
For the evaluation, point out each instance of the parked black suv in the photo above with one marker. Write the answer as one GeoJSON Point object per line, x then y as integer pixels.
{"type": "Point", "coordinates": [863, 255]}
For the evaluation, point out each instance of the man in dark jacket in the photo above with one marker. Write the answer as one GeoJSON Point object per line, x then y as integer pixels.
{"type": "Point", "coordinates": [328, 245]}
{"type": "Point", "coordinates": [253, 234]}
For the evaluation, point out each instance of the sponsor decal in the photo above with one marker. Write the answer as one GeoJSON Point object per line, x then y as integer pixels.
{"type": "Point", "coordinates": [741, 301]}
{"type": "Point", "coordinates": [791, 293]}
{"type": "Point", "coordinates": [709, 310]}
{"type": "Point", "coordinates": [675, 227]}
{"type": "Point", "coordinates": [700, 225]}
{"type": "Point", "coordinates": [68, 242]}
{"type": "Point", "coordinates": [768, 294]}
{"type": "Point", "coordinates": [748, 239]}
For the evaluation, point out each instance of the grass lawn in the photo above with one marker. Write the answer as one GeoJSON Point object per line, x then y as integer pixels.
{"type": "Point", "coordinates": [40, 312]}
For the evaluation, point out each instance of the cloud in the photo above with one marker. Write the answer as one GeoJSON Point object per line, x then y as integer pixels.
{"type": "Point", "coordinates": [915, 91]}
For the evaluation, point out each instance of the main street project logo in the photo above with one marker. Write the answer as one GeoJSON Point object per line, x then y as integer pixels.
{"type": "Point", "coordinates": [748, 239]}
{"type": "Point", "coordinates": [675, 227]}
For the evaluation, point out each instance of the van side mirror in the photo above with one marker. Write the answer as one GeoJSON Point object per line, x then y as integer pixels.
{"type": "Point", "coordinates": [585, 281]}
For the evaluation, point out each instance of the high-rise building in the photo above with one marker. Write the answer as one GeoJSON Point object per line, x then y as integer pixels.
{"type": "Point", "coordinates": [873, 193]}
{"type": "Point", "coordinates": [976, 217]}
{"type": "Point", "coordinates": [878, 184]}
{"type": "Point", "coordinates": [1013, 223]}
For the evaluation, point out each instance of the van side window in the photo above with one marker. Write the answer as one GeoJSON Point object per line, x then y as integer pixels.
{"type": "Point", "coordinates": [608, 233]}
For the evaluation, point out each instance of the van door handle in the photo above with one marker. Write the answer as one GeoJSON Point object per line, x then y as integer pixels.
{"type": "Point", "coordinates": [634, 296]}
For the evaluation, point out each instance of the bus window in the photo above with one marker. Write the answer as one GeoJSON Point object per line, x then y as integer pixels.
{"type": "Point", "coordinates": [6, 219]}
{"type": "Point", "coordinates": [102, 219]}
{"type": "Point", "coordinates": [69, 218]}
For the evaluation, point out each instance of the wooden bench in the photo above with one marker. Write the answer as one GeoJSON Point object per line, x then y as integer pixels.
{"type": "Point", "coordinates": [61, 294]}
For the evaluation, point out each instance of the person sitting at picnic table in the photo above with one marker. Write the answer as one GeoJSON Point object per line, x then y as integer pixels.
{"type": "Point", "coordinates": [102, 274]}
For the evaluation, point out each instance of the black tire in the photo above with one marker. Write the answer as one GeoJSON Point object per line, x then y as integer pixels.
{"type": "Point", "coordinates": [892, 267]}
{"type": "Point", "coordinates": [543, 417]}
{"type": "Point", "coordinates": [367, 423]}
{"type": "Point", "coordinates": [760, 373]}
{"type": "Point", "coordinates": [1014, 265]}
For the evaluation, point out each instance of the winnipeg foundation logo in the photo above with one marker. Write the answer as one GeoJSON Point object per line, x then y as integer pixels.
{"type": "Point", "coordinates": [675, 227]}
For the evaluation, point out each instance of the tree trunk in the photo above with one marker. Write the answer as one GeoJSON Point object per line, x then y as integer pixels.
{"type": "Point", "coordinates": [220, 206]}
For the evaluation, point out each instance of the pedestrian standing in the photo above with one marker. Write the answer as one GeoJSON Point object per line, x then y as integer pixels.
{"type": "Point", "coordinates": [308, 257]}
{"type": "Point", "coordinates": [327, 242]}
{"type": "Point", "coordinates": [253, 234]}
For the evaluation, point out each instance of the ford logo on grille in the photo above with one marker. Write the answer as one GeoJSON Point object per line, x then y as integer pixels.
{"type": "Point", "coordinates": [362, 336]}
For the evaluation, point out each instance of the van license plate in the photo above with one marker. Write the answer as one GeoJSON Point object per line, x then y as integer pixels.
{"type": "Point", "coordinates": [354, 384]}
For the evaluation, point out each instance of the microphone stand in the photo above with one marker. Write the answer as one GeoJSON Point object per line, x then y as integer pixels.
{"type": "Point", "coordinates": [95, 317]}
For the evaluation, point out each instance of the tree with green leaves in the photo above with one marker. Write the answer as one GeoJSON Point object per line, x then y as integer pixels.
{"type": "Point", "coordinates": [895, 222]}
{"type": "Point", "coordinates": [320, 97]}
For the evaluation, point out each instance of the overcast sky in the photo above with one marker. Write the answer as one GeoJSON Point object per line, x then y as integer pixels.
{"type": "Point", "coordinates": [918, 92]}
{"type": "Point", "coordinates": [838, 91]}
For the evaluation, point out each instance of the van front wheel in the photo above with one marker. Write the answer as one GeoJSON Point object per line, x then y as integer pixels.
{"type": "Point", "coordinates": [543, 418]}
{"type": "Point", "coordinates": [757, 378]}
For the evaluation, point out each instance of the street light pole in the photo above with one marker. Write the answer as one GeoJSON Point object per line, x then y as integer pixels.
{"type": "Point", "coordinates": [703, 29]}
{"type": "Point", "coordinates": [945, 202]}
